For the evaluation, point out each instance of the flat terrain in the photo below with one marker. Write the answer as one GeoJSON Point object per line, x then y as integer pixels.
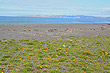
{"type": "Point", "coordinates": [53, 31]}
{"type": "Point", "coordinates": [55, 48]}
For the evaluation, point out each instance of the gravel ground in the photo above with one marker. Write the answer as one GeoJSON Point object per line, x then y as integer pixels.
{"type": "Point", "coordinates": [53, 31]}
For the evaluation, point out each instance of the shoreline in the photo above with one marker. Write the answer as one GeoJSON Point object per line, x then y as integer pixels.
{"type": "Point", "coordinates": [56, 23]}
{"type": "Point", "coordinates": [52, 31]}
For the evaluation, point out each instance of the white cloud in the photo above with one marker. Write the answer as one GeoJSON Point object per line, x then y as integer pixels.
{"type": "Point", "coordinates": [106, 8]}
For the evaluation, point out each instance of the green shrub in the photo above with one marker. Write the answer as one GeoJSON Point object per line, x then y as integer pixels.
{"type": "Point", "coordinates": [6, 56]}
{"type": "Point", "coordinates": [26, 69]}
{"type": "Point", "coordinates": [2, 59]}
{"type": "Point", "coordinates": [107, 67]}
{"type": "Point", "coordinates": [30, 43]}
{"type": "Point", "coordinates": [29, 65]}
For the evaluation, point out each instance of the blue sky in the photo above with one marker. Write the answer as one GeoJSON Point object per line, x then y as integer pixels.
{"type": "Point", "coordinates": [55, 7]}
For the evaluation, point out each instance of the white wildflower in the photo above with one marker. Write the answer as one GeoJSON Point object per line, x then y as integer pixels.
{"type": "Point", "coordinates": [64, 46]}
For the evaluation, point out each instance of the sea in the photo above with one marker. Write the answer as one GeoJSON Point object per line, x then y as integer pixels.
{"type": "Point", "coordinates": [45, 20]}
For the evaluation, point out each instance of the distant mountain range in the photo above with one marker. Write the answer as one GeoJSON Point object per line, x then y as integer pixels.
{"type": "Point", "coordinates": [67, 16]}
{"type": "Point", "coordinates": [60, 16]}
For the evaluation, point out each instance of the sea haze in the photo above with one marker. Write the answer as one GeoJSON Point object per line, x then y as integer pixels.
{"type": "Point", "coordinates": [52, 19]}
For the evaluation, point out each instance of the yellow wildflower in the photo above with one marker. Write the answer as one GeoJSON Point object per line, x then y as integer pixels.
{"type": "Point", "coordinates": [60, 48]}
{"type": "Point", "coordinates": [8, 59]}
{"type": "Point", "coordinates": [41, 67]}
{"type": "Point", "coordinates": [4, 67]}
{"type": "Point", "coordinates": [46, 66]}
{"type": "Point", "coordinates": [76, 60]}
{"type": "Point", "coordinates": [102, 50]}
{"type": "Point", "coordinates": [56, 55]}
{"type": "Point", "coordinates": [106, 53]}
{"type": "Point", "coordinates": [43, 50]}
{"type": "Point", "coordinates": [16, 59]}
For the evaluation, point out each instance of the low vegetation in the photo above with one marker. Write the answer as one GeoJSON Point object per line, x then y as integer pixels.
{"type": "Point", "coordinates": [80, 54]}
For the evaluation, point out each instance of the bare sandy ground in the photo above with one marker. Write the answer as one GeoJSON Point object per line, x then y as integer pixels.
{"type": "Point", "coordinates": [53, 31]}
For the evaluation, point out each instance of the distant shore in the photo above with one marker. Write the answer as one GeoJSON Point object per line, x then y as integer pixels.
{"type": "Point", "coordinates": [53, 31]}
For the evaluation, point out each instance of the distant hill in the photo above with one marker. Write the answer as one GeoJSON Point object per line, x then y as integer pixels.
{"type": "Point", "coordinates": [59, 16]}
{"type": "Point", "coordinates": [67, 16]}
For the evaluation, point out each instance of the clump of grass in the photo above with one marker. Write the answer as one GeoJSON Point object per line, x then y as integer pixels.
{"type": "Point", "coordinates": [6, 56]}
{"type": "Point", "coordinates": [29, 65]}
{"type": "Point", "coordinates": [55, 71]}
{"type": "Point", "coordinates": [30, 43]}
{"type": "Point", "coordinates": [2, 59]}
{"type": "Point", "coordinates": [27, 69]}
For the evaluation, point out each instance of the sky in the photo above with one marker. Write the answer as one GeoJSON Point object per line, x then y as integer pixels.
{"type": "Point", "coordinates": [55, 7]}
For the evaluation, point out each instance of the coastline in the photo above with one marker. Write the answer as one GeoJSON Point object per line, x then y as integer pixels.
{"type": "Point", "coordinates": [53, 31]}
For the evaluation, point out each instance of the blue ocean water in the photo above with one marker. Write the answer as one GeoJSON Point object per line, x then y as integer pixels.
{"type": "Point", "coordinates": [41, 20]}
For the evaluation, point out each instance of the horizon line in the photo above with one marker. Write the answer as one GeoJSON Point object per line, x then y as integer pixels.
{"type": "Point", "coordinates": [52, 15]}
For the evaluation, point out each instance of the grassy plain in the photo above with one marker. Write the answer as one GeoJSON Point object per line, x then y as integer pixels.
{"type": "Point", "coordinates": [80, 54]}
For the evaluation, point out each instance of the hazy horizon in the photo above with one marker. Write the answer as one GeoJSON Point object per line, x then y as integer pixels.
{"type": "Point", "coordinates": [53, 16]}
